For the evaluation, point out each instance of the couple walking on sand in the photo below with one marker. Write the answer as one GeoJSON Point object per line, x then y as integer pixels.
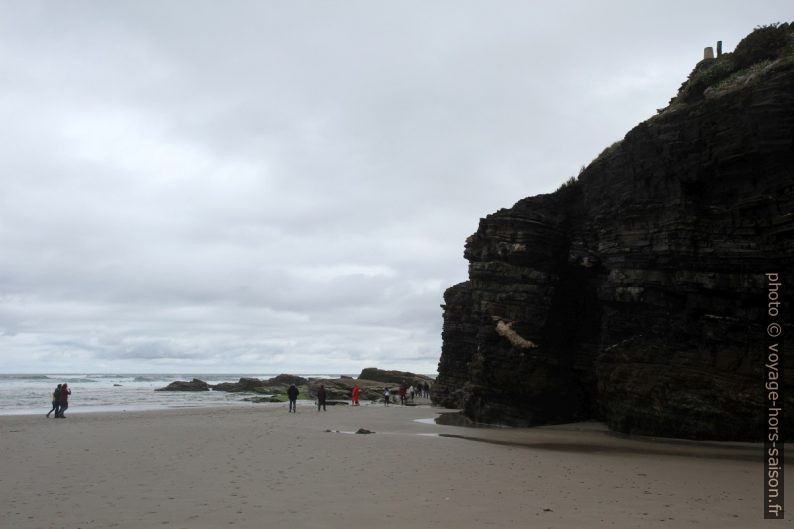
{"type": "Point", "coordinates": [60, 401]}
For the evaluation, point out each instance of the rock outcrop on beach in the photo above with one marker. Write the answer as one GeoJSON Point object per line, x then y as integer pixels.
{"type": "Point", "coordinates": [635, 294]}
{"type": "Point", "coordinates": [244, 384]}
{"type": "Point", "coordinates": [342, 388]}
{"type": "Point", "coordinates": [277, 384]}
{"type": "Point", "coordinates": [181, 385]}
{"type": "Point", "coordinates": [286, 380]}
{"type": "Point", "coordinates": [393, 377]}
{"type": "Point", "coordinates": [275, 388]}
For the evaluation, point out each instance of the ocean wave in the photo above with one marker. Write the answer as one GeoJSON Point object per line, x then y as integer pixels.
{"type": "Point", "coordinates": [151, 378]}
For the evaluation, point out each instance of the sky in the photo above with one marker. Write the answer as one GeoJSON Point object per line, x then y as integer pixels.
{"type": "Point", "coordinates": [286, 186]}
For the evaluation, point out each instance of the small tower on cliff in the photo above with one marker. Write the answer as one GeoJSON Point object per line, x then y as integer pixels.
{"type": "Point", "coordinates": [708, 52]}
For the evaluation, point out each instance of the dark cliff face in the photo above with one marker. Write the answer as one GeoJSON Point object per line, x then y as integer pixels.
{"type": "Point", "coordinates": [636, 295]}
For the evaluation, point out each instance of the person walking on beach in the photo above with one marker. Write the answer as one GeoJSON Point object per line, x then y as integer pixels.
{"type": "Point", "coordinates": [356, 392]}
{"type": "Point", "coordinates": [292, 393]}
{"type": "Point", "coordinates": [386, 396]}
{"type": "Point", "coordinates": [402, 395]}
{"type": "Point", "coordinates": [321, 398]}
{"type": "Point", "coordinates": [63, 401]}
{"type": "Point", "coordinates": [56, 400]}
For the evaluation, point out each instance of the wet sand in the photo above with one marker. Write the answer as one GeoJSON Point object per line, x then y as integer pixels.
{"type": "Point", "coordinates": [263, 467]}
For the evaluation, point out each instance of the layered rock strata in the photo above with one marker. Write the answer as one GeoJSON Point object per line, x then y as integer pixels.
{"type": "Point", "coordinates": [635, 294]}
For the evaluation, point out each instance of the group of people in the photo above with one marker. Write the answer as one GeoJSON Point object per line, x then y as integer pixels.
{"type": "Point", "coordinates": [60, 397]}
{"type": "Point", "coordinates": [409, 392]}
{"type": "Point", "coordinates": [405, 392]}
{"type": "Point", "coordinates": [60, 401]}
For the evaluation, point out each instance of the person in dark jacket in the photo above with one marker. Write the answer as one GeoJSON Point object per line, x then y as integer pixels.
{"type": "Point", "coordinates": [63, 401]}
{"type": "Point", "coordinates": [321, 398]}
{"type": "Point", "coordinates": [56, 401]}
{"type": "Point", "coordinates": [292, 393]}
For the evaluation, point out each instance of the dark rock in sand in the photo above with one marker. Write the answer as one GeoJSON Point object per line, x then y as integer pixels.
{"type": "Point", "coordinates": [363, 431]}
{"type": "Point", "coordinates": [193, 385]}
{"type": "Point", "coordinates": [635, 294]}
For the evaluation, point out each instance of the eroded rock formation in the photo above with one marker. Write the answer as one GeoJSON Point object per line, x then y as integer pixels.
{"type": "Point", "coordinates": [182, 385]}
{"type": "Point", "coordinates": [635, 293]}
{"type": "Point", "coordinates": [393, 377]}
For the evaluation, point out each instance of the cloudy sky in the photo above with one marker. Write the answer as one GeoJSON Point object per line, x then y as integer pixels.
{"type": "Point", "coordinates": [287, 186]}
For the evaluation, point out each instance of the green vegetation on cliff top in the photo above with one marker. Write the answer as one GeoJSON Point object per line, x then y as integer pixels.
{"type": "Point", "coordinates": [765, 48]}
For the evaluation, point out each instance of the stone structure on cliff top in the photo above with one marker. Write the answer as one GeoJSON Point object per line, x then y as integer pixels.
{"type": "Point", "coordinates": [636, 293]}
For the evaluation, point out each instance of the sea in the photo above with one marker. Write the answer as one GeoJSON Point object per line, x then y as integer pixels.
{"type": "Point", "coordinates": [32, 394]}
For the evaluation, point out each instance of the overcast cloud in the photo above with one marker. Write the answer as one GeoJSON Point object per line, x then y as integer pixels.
{"type": "Point", "coordinates": [287, 186]}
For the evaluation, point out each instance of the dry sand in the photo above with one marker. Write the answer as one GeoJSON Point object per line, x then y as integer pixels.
{"type": "Point", "coordinates": [263, 467]}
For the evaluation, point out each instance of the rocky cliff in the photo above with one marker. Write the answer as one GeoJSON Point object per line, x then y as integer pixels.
{"type": "Point", "coordinates": [635, 294]}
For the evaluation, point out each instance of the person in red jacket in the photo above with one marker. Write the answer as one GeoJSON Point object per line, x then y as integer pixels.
{"type": "Point", "coordinates": [356, 392]}
{"type": "Point", "coordinates": [64, 397]}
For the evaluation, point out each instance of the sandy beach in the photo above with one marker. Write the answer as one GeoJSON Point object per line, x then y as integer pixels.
{"type": "Point", "coordinates": [264, 467]}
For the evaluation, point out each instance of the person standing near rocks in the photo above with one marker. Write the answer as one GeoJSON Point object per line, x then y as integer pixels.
{"type": "Point", "coordinates": [356, 392]}
{"type": "Point", "coordinates": [321, 398]}
{"type": "Point", "coordinates": [63, 401]}
{"type": "Point", "coordinates": [56, 401]}
{"type": "Point", "coordinates": [292, 393]}
{"type": "Point", "coordinates": [386, 396]}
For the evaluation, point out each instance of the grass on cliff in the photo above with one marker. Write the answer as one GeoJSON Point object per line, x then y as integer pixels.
{"type": "Point", "coordinates": [568, 184]}
{"type": "Point", "coordinates": [607, 152]}
{"type": "Point", "coordinates": [763, 48]}
{"type": "Point", "coordinates": [569, 189]}
{"type": "Point", "coordinates": [758, 50]}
